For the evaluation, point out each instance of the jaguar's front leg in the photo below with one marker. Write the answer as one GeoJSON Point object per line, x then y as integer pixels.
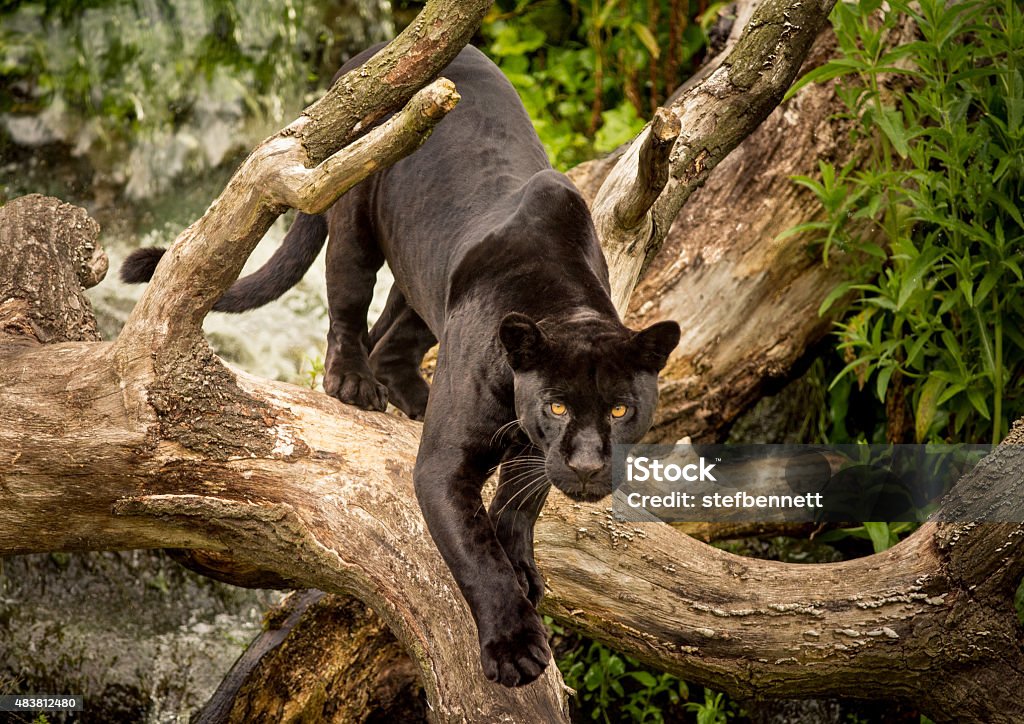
{"type": "Point", "coordinates": [513, 640]}
{"type": "Point", "coordinates": [522, 489]}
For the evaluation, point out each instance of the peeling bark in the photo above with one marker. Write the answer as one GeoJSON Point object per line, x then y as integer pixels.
{"type": "Point", "coordinates": [732, 284]}
{"type": "Point", "coordinates": [37, 305]}
{"type": "Point", "coordinates": [715, 115]}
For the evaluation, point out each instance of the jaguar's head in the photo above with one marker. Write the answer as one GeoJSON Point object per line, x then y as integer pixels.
{"type": "Point", "coordinates": [582, 386]}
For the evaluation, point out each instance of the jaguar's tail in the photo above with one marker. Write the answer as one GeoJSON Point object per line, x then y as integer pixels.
{"type": "Point", "coordinates": [282, 271]}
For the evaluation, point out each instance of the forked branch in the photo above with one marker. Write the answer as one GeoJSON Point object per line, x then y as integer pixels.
{"type": "Point", "coordinates": [289, 481]}
{"type": "Point", "coordinates": [715, 115]}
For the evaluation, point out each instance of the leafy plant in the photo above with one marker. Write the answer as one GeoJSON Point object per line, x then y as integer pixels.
{"type": "Point", "coordinates": [615, 687]}
{"type": "Point", "coordinates": [927, 221]}
{"type": "Point", "coordinates": [123, 70]}
{"type": "Point", "coordinates": [712, 711]}
{"type": "Point", "coordinates": [590, 72]}
{"type": "Point", "coordinates": [883, 536]}
{"type": "Point", "coordinates": [312, 376]}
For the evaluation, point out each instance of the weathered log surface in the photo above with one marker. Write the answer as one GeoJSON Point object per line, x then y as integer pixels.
{"type": "Point", "coordinates": [137, 463]}
{"type": "Point", "coordinates": [325, 658]}
{"type": "Point", "coordinates": [715, 116]}
{"type": "Point", "coordinates": [152, 442]}
{"type": "Point", "coordinates": [731, 282]}
{"type": "Point", "coordinates": [291, 481]}
{"type": "Point", "coordinates": [37, 304]}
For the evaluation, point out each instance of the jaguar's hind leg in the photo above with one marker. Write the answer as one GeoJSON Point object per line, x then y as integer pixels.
{"type": "Point", "coordinates": [353, 259]}
{"type": "Point", "coordinates": [398, 342]}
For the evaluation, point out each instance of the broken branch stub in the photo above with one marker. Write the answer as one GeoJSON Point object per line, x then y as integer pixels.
{"type": "Point", "coordinates": [715, 115]}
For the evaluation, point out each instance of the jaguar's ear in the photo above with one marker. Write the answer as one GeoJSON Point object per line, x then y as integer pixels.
{"type": "Point", "coordinates": [654, 344]}
{"type": "Point", "coordinates": [522, 339]}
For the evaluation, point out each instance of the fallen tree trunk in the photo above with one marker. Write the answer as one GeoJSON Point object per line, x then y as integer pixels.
{"type": "Point", "coordinates": [320, 506]}
{"type": "Point", "coordinates": [252, 469]}
{"type": "Point", "coordinates": [746, 299]}
{"type": "Point", "coordinates": [325, 658]}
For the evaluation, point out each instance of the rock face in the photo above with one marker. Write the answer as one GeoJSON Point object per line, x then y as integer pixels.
{"type": "Point", "coordinates": [140, 637]}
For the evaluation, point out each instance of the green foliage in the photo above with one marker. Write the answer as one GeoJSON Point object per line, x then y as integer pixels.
{"type": "Point", "coordinates": [883, 536]}
{"type": "Point", "coordinates": [615, 687]}
{"type": "Point", "coordinates": [314, 375]}
{"type": "Point", "coordinates": [590, 72]}
{"type": "Point", "coordinates": [927, 221]}
{"type": "Point", "coordinates": [712, 711]}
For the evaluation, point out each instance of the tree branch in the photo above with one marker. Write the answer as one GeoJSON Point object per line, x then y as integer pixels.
{"type": "Point", "coordinates": [207, 257]}
{"type": "Point", "coordinates": [313, 190]}
{"type": "Point", "coordinates": [656, 142]}
{"type": "Point", "coordinates": [349, 521]}
{"type": "Point", "coordinates": [715, 115]}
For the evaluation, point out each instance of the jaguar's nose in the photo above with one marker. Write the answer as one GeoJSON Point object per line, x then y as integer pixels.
{"type": "Point", "coordinates": [586, 469]}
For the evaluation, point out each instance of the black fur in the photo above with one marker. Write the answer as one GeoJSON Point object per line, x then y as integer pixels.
{"type": "Point", "coordinates": [139, 266]}
{"type": "Point", "coordinates": [495, 255]}
{"type": "Point", "coordinates": [282, 271]}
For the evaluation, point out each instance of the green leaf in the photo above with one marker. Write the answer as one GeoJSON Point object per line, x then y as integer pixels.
{"type": "Point", "coordinates": [644, 678]}
{"type": "Point", "coordinates": [832, 297]}
{"type": "Point", "coordinates": [882, 383]}
{"type": "Point", "coordinates": [978, 401]}
{"type": "Point", "coordinates": [826, 72]}
{"type": "Point", "coordinates": [618, 125]}
{"type": "Point", "coordinates": [986, 286]}
{"type": "Point", "coordinates": [1007, 205]}
{"type": "Point", "coordinates": [927, 404]}
{"type": "Point", "coordinates": [954, 389]}
{"type": "Point", "coordinates": [918, 346]}
{"type": "Point", "coordinates": [986, 344]}
{"type": "Point", "coordinates": [647, 38]}
{"type": "Point", "coordinates": [890, 121]}
{"type": "Point", "coordinates": [880, 536]}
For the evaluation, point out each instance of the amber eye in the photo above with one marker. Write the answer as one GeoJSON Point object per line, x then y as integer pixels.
{"type": "Point", "coordinates": [557, 408]}
{"type": "Point", "coordinates": [619, 411]}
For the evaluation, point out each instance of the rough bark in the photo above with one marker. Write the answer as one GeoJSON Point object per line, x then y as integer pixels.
{"type": "Point", "coordinates": [325, 658]}
{"type": "Point", "coordinates": [715, 116]}
{"type": "Point", "coordinates": [302, 492]}
{"type": "Point", "coordinates": [143, 459]}
{"type": "Point", "coordinates": [389, 79]}
{"type": "Point", "coordinates": [724, 274]}
{"type": "Point", "coordinates": [35, 303]}
{"type": "Point", "coordinates": [729, 280]}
